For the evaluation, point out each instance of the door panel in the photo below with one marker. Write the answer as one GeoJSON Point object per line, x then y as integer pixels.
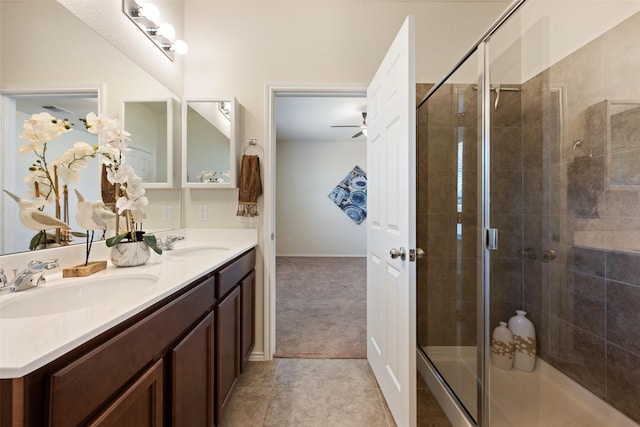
{"type": "Point", "coordinates": [391, 192]}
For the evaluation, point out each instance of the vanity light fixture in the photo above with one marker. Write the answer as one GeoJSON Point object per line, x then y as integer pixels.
{"type": "Point", "coordinates": [145, 15]}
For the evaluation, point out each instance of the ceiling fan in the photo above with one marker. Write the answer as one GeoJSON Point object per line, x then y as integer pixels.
{"type": "Point", "coordinates": [363, 127]}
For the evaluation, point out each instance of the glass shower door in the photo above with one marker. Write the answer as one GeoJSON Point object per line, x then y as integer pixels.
{"type": "Point", "coordinates": [447, 229]}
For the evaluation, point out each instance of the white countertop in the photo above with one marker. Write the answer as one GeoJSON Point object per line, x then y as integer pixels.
{"type": "Point", "coordinates": [28, 343]}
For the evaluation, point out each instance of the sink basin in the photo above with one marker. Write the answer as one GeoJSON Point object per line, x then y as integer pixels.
{"type": "Point", "coordinates": [191, 251]}
{"type": "Point", "coordinates": [77, 294]}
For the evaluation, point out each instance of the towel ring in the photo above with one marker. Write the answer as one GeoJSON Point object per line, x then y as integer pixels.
{"type": "Point", "coordinates": [251, 143]}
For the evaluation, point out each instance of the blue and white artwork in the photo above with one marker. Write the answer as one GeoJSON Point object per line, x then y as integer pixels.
{"type": "Point", "coordinates": [351, 195]}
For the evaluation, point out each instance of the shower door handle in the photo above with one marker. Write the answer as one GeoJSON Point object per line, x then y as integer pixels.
{"type": "Point", "coordinates": [398, 253]}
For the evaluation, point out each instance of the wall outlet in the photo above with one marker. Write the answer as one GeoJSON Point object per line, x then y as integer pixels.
{"type": "Point", "coordinates": [202, 213]}
{"type": "Point", "coordinates": [166, 213]}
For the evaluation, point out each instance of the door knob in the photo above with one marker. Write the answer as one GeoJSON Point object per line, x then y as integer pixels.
{"type": "Point", "coordinates": [398, 253]}
{"type": "Point", "coordinates": [415, 254]}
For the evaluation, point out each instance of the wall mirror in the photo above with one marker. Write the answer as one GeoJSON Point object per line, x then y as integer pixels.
{"type": "Point", "coordinates": [150, 123]}
{"type": "Point", "coordinates": [112, 76]}
{"type": "Point", "coordinates": [209, 141]}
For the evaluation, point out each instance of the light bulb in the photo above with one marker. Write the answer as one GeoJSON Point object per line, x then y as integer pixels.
{"type": "Point", "coordinates": [149, 11]}
{"type": "Point", "coordinates": [364, 131]}
{"type": "Point", "coordinates": [179, 47]}
{"type": "Point", "coordinates": [166, 30]}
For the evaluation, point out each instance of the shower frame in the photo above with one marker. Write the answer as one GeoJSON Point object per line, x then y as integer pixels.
{"type": "Point", "coordinates": [451, 404]}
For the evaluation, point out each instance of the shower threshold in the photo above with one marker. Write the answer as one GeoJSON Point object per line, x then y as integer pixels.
{"type": "Point", "coordinates": [545, 397]}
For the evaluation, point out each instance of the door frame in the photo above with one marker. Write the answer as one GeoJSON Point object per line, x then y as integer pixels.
{"type": "Point", "coordinates": [273, 90]}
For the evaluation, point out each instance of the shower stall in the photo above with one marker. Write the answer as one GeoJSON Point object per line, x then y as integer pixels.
{"type": "Point", "coordinates": [529, 199]}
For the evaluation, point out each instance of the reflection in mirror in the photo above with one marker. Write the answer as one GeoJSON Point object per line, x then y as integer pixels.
{"type": "Point", "coordinates": [150, 122]}
{"type": "Point", "coordinates": [20, 159]}
{"type": "Point", "coordinates": [209, 143]}
{"type": "Point", "coordinates": [115, 75]}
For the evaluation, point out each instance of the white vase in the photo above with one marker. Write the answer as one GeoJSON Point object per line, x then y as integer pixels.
{"type": "Point", "coordinates": [130, 254]}
{"type": "Point", "coordinates": [502, 347]}
{"type": "Point", "coordinates": [524, 339]}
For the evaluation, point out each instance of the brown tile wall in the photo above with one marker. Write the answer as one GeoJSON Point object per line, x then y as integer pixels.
{"type": "Point", "coordinates": [546, 191]}
{"type": "Point", "coordinates": [585, 303]}
{"type": "Point", "coordinates": [447, 308]}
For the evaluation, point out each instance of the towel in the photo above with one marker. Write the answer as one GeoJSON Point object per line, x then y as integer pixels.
{"type": "Point", "coordinates": [250, 186]}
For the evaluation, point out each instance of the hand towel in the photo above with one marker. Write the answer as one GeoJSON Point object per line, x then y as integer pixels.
{"type": "Point", "coordinates": [250, 186]}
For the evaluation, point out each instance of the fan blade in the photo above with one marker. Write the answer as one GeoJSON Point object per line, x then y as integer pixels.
{"type": "Point", "coordinates": [357, 134]}
{"type": "Point", "coordinates": [345, 126]}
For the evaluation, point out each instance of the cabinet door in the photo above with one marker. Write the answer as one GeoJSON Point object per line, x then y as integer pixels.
{"type": "Point", "coordinates": [140, 405]}
{"type": "Point", "coordinates": [248, 333]}
{"type": "Point", "coordinates": [192, 376]}
{"type": "Point", "coordinates": [227, 350]}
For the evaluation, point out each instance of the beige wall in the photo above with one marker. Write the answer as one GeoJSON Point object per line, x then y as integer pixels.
{"type": "Point", "coordinates": [308, 223]}
{"type": "Point", "coordinates": [236, 48]}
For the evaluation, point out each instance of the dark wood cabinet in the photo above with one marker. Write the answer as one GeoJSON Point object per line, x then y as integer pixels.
{"type": "Point", "coordinates": [140, 405]}
{"type": "Point", "coordinates": [227, 350]}
{"type": "Point", "coordinates": [248, 318]}
{"type": "Point", "coordinates": [193, 376]}
{"type": "Point", "coordinates": [174, 364]}
{"type": "Point", "coordinates": [82, 386]}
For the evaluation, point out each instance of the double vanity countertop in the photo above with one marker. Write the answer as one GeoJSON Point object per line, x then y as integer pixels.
{"type": "Point", "coordinates": [39, 325]}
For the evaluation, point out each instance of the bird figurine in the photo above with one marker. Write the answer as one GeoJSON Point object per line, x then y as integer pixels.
{"type": "Point", "coordinates": [107, 215]}
{"type": "Point", "coordinates": [35, 219]}
{"type": "Point", "coordinates": [101, 210]}
{"type": "Point", "coordinates": [89, 220]}
{"type": "Point", "coordinates": [86, 216]}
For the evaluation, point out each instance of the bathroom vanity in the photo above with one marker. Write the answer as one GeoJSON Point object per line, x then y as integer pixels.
{"type": "Point", "coordinates": [173, 359]}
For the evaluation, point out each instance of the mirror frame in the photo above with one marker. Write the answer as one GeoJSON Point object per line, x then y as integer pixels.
{"type": "Point", "coordinates": [233, 144]}
{"type": "Point", "coordinates": [169, 147]}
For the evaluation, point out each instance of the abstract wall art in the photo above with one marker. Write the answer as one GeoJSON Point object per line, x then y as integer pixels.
{"type": "Point", "coordinates": [350, 195]}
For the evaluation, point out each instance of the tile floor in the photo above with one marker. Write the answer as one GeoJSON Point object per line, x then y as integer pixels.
{"type": "Point", "coordinates": [317, 392]}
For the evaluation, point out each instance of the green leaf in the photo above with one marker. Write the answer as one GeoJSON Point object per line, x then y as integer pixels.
{"type": "Point", "coordinates": [150, 239]}
{"type": "Point", "coordinates": [38, 240]}
{"type": "Point", "coordinates": [112, 241]}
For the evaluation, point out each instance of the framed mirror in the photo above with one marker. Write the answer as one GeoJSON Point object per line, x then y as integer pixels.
{"type": "Point", "coordinates": [109, 76]}
{"type": "Point", "coordinates": [209, 141]}
{"type": "Point", "coordinates": [150, 123]}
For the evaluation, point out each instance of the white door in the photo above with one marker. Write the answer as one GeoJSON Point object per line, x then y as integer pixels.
{"type": "Point", "coordinates": [391, 282]}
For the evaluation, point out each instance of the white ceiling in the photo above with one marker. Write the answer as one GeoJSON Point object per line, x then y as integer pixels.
{"type": "Point", "coordinates": [74, 106]}
{"type": "Point", "coordinates": [309, 118]}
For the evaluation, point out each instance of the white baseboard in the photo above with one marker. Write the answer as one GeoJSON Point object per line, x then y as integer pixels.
{"type": "Point", "coordinates": [257, 356]}
{"type": "Point", "coordinates": [323, 255]}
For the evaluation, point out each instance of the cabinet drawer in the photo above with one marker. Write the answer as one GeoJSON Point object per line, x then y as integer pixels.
{"type": "Point", "coordinates": [82, 387]}
{"type": "Point", "coordinates": [229, 275]}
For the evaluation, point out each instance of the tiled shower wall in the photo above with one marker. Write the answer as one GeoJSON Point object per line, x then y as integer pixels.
{"type": "Point", "coordinates": [569, 247]}
{"type": "Point", "coordinates": [585, 303]}
{"type": "Point", "coordinates": [447, 308]}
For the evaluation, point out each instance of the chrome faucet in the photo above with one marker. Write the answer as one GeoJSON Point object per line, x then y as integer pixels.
{"type": "Point", "coordinates": [30, 277]}
{"type": "Point", "coordinates": [167, 244]}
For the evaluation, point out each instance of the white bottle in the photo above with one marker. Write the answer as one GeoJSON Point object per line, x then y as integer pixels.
{"type": "Point", "coordinates": [524, 339]}
{"type": "Point", "coordinates": [502, 347]}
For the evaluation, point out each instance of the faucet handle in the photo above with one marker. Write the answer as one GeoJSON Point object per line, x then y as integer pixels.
{"type": "Point", "coordinates": [43, 265]}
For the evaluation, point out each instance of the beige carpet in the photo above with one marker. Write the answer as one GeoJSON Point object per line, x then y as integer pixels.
{"type": "Point", "coordinates": [321, 307]}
